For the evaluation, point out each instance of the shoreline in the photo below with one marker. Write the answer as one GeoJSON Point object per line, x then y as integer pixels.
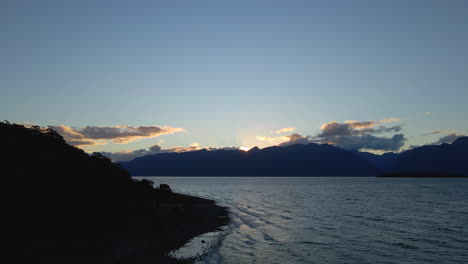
{"type": "Point", "coordinates": [181, 218]}
{"type": "Point", "coordinates": [421, 175]}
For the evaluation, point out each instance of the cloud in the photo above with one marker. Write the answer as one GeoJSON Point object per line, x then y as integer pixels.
{"type": "Point", "coordinates": [222, 148]}
{"type": "Point", "coordinates": [349, 128]}
{"type": "Point", "coordinates": [441, 131]}
{"type": "Point", "coordinates": [296, 139]}
{"type": "Point", "coordinates": [75, 138]}
{"type": "Point", "coordinates": [382, 129]}
{"type": "Point", "coordinates": [93, 135]}
{"type": "Point", "coordinates": [389, 120]}
{"type": "Point", "coordinates": [349, 135]}
{"type": "Point", "coordinates": [366, 141]}
{"type": "Point", "coordinates": [447, 139]}
{"type": "Point", "coordinates": [358, 135]}
{"type": "Point", "coordinates": [360, 124]}
{"type": "Point", "coordinates": [287, 140]}
{"type": "Point", "coordinates": [156, 149]}
{"type": "Point", "coordinates": [450, 138]}
{"type": "Point", "coordinates": [286, 129]}
{"type": "Point", "coordinates": [369, 142]}
{"type": "Point", "coordinates": [178, 149]}
{"type": "Point", "coordinates": [336, 129]}
{"type": "Point", "coordinates": [273, 139]}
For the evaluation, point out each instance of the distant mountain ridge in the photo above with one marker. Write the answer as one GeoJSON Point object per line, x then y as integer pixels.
{"type": "Point", "coordinates": [295, 160]}
{"type": "Point", "coordinates": [445, 158]}
{"type": "Point", "coordinates": [304, 160]}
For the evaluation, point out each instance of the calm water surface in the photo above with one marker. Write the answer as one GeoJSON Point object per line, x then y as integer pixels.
{"type": "Point", "coordinates": [336, 220]}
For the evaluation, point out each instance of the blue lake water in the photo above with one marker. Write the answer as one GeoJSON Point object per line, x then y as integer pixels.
{"type": "Point", "coordinates": [336, 220]}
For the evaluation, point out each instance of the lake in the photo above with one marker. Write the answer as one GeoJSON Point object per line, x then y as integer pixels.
{"type": "Point", "coordinates": [333, 219]}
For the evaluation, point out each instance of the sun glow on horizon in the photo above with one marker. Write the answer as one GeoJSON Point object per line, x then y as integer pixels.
{"type": "Point", "coordinates": [244, 148]}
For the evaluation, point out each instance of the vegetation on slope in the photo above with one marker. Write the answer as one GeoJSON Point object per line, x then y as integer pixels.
{"type": "Point", "coordinates": [63, 205]}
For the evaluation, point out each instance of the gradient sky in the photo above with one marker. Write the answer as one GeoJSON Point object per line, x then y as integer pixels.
{"type": "Point", "coordinates": [228, 71]}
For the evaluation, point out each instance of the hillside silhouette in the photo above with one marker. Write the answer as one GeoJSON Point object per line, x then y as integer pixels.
{"type": "Point", "coordinates": [62, 205]}
{"type": "Point", "coordinates": [294, 160]}
{"type": "Point", "coordinates": [306, 160]}
{"type": "Point", "coordinates": [445, 158]}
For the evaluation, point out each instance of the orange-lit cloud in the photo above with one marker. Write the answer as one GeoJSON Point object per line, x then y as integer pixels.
{"type": "Point", "coordinates": [297, 139]}
{"type": "Point", "coordinates": [286, 140]}
{"type": "Point", "coordinates": [273, 139]}
{"type": "Point", "coordinates": [286, 129]}
{"type": "Point", "coordinates": [442, 131]}
{"type": "Point", "coordinates": [93, 135]}
{"type": "Point", "coordinates": [357, 124]}
{"type": "Point", "coordinates": [192, 147]}
{"type": "Point", "coordinates": [389, 120]}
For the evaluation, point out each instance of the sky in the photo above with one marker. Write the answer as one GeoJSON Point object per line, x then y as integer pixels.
{"type": "Point", "coordinates": [121, 76]}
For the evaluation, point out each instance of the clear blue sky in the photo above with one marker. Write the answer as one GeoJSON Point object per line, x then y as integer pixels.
{"type": "Point", "coordinates": [228, 71]}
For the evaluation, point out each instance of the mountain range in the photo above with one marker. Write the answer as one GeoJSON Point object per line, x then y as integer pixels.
{"type": "Point", "coordinates": [304, 160]}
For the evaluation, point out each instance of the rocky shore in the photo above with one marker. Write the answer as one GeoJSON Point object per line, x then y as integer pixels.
{"type": "Point", "coordinates": [178, 218]}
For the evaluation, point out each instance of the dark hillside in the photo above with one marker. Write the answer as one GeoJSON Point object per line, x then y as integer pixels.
{"type": "Point", "coordinates": [65, 206]}
{"type": "Point", "coordinates": [445, 158]}
{"type": "Point", "coordinates": [294, 160]}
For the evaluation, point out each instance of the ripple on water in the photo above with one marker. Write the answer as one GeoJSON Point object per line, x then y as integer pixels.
{"type": "Point", "coordinates": [336, 220]}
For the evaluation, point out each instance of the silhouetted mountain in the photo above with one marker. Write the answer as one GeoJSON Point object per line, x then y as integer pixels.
{"type": "Point", "coordinates": [445, 158]}
{"type": "Point", "coordinates": [435, 160]}
{"type": "Point", "coordinates": [384, 162]}
{"type": "Point", "coordinates": [305, 160]}
{"type": "Point", "coordinates": [294, 160]}
{"type": "Point", "coordinates": [61, 205]}
{"type": "Point", "coordinates": [254, 149]}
